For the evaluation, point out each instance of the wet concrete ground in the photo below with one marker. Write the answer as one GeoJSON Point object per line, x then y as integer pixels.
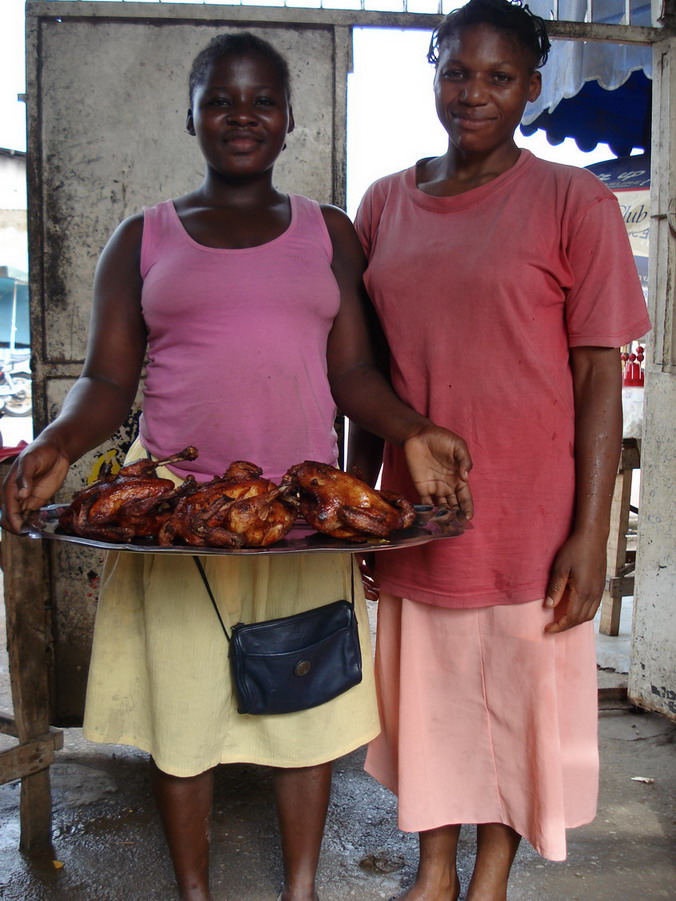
{"type": "Point", "coordinates": [108, 845]}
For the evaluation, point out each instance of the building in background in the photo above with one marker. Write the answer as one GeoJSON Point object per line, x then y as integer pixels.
{"type": "Point", "coordinates": [13, 224]}
{"type": "Point", "coordinates": [14, 317]}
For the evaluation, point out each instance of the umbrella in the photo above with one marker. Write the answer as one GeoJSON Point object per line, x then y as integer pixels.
{"type": "Point", "coordinates": [620, 117]}
{"type": "Point", "coordinates": [595, 92]}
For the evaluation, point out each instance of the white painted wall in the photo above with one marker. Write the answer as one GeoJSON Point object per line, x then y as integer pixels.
{"type": "Point", "coordinates": [652, 674]}
{"type": "Point", "coordinates": [12, 180]}
{"type": "Point", "coordinates": [13, 226]}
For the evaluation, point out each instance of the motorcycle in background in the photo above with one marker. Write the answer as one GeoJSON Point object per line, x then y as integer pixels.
{"type": "Point", "coordinates": [16, 398]}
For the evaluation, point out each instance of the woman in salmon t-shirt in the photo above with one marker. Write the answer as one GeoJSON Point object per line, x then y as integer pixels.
{"type": "Point", "coordinates": [505, 286]}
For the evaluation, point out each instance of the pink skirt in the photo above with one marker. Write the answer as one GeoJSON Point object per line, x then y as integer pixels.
{"type": "Point", "coordinates": [486, 719]}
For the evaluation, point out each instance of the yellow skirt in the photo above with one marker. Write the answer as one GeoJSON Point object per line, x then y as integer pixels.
{"type": "Point", "coordinates": [159, 677]}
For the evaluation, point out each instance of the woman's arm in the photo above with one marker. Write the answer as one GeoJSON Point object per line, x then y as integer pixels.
{"type": "Point", "coordinates": [364, 449]}
{"type": "Point", "coordinates": [364, 454]}
{"type": "Point", "coordinates": [438, 459]}
{"type": "Point", "coordinates": [100, 399]}
{"type": "Point", "coordinates": [578, 575]}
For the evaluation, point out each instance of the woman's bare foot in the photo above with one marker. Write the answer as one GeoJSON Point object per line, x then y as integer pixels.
{"type": "Point", "coordinates": [199, 896]}
{"type": "Point", "coordinates": [497, 845]}
{"type": "Point", "coordinates": [420, 892]}
{"type": "Point", "coordinates": [285, 895]}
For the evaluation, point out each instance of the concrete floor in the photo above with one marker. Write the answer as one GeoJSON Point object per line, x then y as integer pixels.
{"type": "Point", "coordinates": [108, 845]}
{"type": "Point", "coordinates": [107, 838]}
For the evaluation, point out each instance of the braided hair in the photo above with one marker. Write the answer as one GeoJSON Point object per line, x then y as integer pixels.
{"type": "Point", "coordinates": [512, 16]}
{"type": "Point", "coordinates": [236, 44]}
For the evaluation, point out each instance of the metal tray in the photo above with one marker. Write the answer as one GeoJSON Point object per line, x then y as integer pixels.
{"type": "Point", "coordinates": [431, 523]}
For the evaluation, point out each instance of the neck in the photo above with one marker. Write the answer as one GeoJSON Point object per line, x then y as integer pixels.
{"type": "Point", "coordinates": [469, 166]}
{"type": "Point", "coordinates": [256, 190]}
{"type": "Point", "coordinates": [455, 171]}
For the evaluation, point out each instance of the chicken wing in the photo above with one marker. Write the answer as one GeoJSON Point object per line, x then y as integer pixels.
{"type": "Point", "coordinates": [117, 508]}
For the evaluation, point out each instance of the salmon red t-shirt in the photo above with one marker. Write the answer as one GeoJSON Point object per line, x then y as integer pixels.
{"type": "Point", "coordinates": [481, 296]}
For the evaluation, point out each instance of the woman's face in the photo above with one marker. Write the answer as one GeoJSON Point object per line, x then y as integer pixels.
{"type": "Point", "coordinates": [241, 115]}
{"type": "Point", "coordinates": [482, 84]}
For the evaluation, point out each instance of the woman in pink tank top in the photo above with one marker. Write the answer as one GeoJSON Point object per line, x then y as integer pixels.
{"type": "Point", "coordinates": [252, 302]}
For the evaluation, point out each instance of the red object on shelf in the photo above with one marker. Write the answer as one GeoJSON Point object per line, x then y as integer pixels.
{"type": "Point", "coordinates": [6, 452]}
{"type": "Point", "coordinates": [632, 369]}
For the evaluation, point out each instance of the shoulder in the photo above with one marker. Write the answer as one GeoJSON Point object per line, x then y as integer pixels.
{"type": "Point", "coordinates": [572, 179]}
{"type": "Point", "coordinates": [132, 224]}
{"type": "Point", "coordinates": [337, 220]}
{"type": "Point", "coordinates": [131, 228]}
{"type": "Point", "coordinates": [128, 238]}
{"type": "Point", "coordinates": [569, 195]}
{"type": "Point", "coordinates": [395, 182]}
{"type": "Point", "coordinates": [128, 235]}
{"type": "Point", "coordinates": [390, 190]}
{"type": "Point", "coordinates": [331, 217]}
{"type": "Point", "coordinates": [144, 232]}
{"type": "Point", "coordinates": [341, 231]}
{"type": "Point", "coordinates": [119, 263]}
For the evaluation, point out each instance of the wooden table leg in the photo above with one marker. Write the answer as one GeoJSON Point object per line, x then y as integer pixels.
{"type": "Point", "coordinates": [618, 583]}
{"type": "Point", "coordinates": [611, 603]}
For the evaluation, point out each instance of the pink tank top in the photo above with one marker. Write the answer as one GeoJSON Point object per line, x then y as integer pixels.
{"type": "Point", "coordinates": [237, 345]}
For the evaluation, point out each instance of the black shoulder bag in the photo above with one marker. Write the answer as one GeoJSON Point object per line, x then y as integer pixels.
{"type": "Point", "coordinates": [294, 662]}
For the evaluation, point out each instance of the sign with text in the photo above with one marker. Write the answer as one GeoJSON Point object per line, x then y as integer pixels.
{"type": "Point", "coordinates": [629, 179]}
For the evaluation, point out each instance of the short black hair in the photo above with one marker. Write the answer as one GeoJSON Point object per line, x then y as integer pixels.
{"type": "Point", "coordinates": [512, 16]}
{"type": "Point", "coordinates": [236, 43]}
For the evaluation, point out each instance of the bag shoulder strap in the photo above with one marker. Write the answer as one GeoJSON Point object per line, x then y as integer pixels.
{"type": "Point", "coordinates": [198, 564]}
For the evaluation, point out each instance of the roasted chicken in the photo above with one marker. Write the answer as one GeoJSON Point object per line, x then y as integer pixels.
{"type": "Point", "coordinates": [127, 505]}
{"type": "Point", "coordinates": [238, 509]}
{"type": "Point", "coordinates": [339, 504]}
{"type": "Point", "coordinates": [241, 508]}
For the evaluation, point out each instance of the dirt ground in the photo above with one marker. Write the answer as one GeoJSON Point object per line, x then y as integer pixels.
{"type": "Point", "coordinates": [108, 845]}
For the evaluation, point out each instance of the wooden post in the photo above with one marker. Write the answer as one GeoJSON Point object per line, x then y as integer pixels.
{"type": "Point", "coordinates": [28, 644]}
